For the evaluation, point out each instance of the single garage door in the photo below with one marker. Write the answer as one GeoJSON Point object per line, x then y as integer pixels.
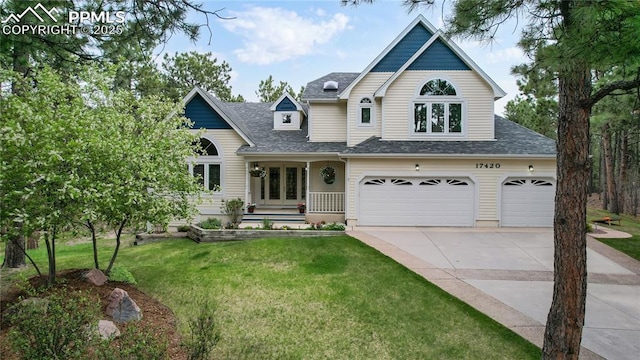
{"type": "Point", "coordinates": [528, 202]}
{"type": "Point", "coordinates": [416, 202]}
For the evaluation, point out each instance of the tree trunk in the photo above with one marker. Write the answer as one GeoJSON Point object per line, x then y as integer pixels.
{"type": "Point", "coordinates": [563, 331]}
{"type": "Point", "coordinates": [609, 166]}
{"type": "Point", "coordinates": [14, 251]}
{"type": "Point", "coordinates": [623, 157]}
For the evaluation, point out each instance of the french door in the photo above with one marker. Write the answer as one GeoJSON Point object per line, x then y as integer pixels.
{"type": "Point", "coordinates": [284, 184]}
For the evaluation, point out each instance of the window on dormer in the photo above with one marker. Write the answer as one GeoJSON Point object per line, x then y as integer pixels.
{"type": "Point", "coordinates": [286, 118]}
{"type": "Point", "coordinates": [438, 109]}
{"type": "Point", "coordinates": [365, 117]}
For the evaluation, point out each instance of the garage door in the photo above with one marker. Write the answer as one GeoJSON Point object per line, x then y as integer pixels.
{"type": "Point", "coordinates": [528, 202]}
{"type": "Point", "coordinates": [416, 202]}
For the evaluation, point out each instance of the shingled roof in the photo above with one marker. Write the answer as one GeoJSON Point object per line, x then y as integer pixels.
{"type": "Point", "coordinates": [255, 121]}
{"type": "Point", "coordinates": [511, 139]}
{"type": "Point", "coordinates": [315, 89]}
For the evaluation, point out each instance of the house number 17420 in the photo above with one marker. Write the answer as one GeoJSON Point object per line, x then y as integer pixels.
{"type": "Point", "coordinates": [487, 165]}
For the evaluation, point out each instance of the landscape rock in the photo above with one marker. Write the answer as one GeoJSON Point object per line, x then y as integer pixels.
{"type": "Point", "coordinates": [95, 277]}
{"type": "Point", "coordinates": [107, 329]}
{"type": "Point", "coordinates": [122, 308]}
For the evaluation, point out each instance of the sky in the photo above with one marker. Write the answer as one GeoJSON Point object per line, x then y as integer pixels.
{"type": "Point", "coordinates": [298, 41]}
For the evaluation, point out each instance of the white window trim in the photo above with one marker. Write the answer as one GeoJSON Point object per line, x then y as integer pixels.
{"type": "Point", "coordinates": [372, 113]}
{"type": "Point", "coordinates": [439, 99]}
{"type": "Point", "coordinates": [208, 160]}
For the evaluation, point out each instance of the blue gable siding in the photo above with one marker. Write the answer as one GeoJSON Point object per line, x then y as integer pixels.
{"type": "Point", "coordinates": [438, 56]}
{"type": "Point", "coordinates": [286, 105]}
{"type": "Point", "coordinates": [203, 116]}
{"type": "Point", "coordinates": [403, 50]}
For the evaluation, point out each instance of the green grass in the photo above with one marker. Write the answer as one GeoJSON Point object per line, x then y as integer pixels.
{"type": "Point", "coordinates": [628, 224]}
{"type": "Point", "coordinates": [316, 298]}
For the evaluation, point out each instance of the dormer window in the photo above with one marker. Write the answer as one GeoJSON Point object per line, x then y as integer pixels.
{"type": "Point", "coordinates": [438, 109]}
{"type": "Point", "coordinates": [286, 119]}
{"type": "Point", "coordinates": [365, 112]}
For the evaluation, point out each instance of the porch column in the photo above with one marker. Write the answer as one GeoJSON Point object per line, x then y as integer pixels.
{"type": "Point", "coordinates": [247, 182]}
{"type": "Point", "coordinates": [307, 190]}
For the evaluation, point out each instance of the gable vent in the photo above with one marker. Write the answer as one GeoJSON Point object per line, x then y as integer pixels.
{"type": "Point", "coordinates": [330, 85]}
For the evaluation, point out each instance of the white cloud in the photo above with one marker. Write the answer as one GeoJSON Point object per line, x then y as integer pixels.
{"type": "Point", "coordinates": [272, 35]}
{"type": "Point", "coordinates": [506, 55]}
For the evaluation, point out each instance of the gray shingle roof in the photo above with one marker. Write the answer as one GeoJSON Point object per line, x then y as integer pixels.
{"type": "Point", "coordinates": [257, 118]}
{"type": "Point", "coordinates": [315, 89]}
{"type": "Point", "coordinates": [511, 139]}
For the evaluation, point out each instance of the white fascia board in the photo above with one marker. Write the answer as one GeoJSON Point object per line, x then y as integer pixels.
{"type": "Point", "coordinates": [206, 97]}
{"type": "Point", "coordinates": [419, 19]}
{"type": "Point", "coordinates": [497, 90]}
{"type": "Point", "coordinates": [383, 89]}
{"type": "Point", "coordinates": [292, 99]}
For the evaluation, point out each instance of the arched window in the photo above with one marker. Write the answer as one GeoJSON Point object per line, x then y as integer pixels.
{"type": "Point", "coordinates": [365, 112]}
{"type": "Point", "coordinates": [438, 109]}
{"type": "Point", "coordinates": [206, 165]}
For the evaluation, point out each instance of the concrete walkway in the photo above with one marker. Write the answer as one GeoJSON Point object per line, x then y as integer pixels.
{"type": "Point", "coordinates": [508, 275]}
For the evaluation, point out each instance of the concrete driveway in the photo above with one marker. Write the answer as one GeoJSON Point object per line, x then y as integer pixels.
{"type": "Point", "coordinates": [508, 275]}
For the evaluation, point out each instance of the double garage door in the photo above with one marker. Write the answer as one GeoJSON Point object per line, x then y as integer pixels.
{"type": "Point", "coordinates": [450, 201]}
{"type": "Point", "coordinates": [417, 202]}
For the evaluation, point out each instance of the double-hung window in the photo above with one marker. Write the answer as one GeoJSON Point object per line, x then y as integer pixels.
{"type": "Point", "coordinates": [438, 109]}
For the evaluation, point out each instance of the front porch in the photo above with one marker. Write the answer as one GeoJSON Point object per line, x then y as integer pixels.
{"type": "Point", "coordinates": [279, 188]}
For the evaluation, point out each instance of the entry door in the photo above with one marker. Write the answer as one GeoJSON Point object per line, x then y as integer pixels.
{"type": "Point", "coordinates": [283, 185]}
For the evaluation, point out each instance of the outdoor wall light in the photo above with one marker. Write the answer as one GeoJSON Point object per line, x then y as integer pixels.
{"type": "Point", "coordinates": [530, 168]}
{"type": "Point", "coordinates": [417, 167]}
{"type": "Point", "coordinates": [256, 166]}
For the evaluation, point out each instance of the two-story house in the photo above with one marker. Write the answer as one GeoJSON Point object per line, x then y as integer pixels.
{"type": "Point", "coordinates": [412, 140]}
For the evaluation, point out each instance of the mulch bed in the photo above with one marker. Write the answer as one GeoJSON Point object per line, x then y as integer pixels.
{"type": "Point", "coordinates": [156, 317]}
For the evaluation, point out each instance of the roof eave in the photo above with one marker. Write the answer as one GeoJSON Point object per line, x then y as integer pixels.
{"type": "Point", "coordinates": [451, 156]}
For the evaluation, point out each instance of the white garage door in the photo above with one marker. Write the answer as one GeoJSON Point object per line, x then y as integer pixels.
{"type": "Point", "coordinates": [528, 202]}
{"type": "Point", "coordinates": [416, 202]}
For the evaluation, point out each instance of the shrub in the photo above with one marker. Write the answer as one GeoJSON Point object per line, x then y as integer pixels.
{"type": "Point", "coordinates": [203, 332]}
{"type": "Point", "coordinates": [135, 342]}
{"type": "Point", "coordinates": [183, 228]}
{"type": "Point", "coordinates": [120, 273]}
{"type": "Point", "coordinates": [233, 209]}
{"type": "Point", "coordinates": [267, 224]}
{"type": "Point", "coordinates": [211, 223]}
{"type": "Point", "coordinates": [334, 226]}
{"type": "Point", "coordinates": [58, 327]}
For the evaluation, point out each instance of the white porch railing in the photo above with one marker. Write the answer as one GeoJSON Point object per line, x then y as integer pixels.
{"type": "Point", "coordinates": [325, 202]}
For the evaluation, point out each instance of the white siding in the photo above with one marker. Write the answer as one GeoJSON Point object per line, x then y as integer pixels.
{"type": "Point", "coordinates": [365, 88]}
{"type": "Point", "coordinates": [398, 108]}
{"type": "Point", "coordinates": [488, 181]}
{"type": "Point", "coordinates": [233, 169]}
{"type": "Point", "coordinates": [328, 122]}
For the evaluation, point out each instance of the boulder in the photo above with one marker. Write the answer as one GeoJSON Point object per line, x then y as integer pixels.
{"type": "Point", "coordinates": [107, 329]}
{"type": "Point", "coordinates": [122, 308]}
{"type": "Point", "coordinates": [95, 277]}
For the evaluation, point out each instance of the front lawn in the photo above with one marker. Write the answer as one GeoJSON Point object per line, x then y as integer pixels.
{"type": "Point", "coordinates": [315, 298]}
{"type": "Point", "coordinates": [628, 224]}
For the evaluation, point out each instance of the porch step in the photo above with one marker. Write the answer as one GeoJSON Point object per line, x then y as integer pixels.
{"type": "Point", "coordinates": [289, 217]}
